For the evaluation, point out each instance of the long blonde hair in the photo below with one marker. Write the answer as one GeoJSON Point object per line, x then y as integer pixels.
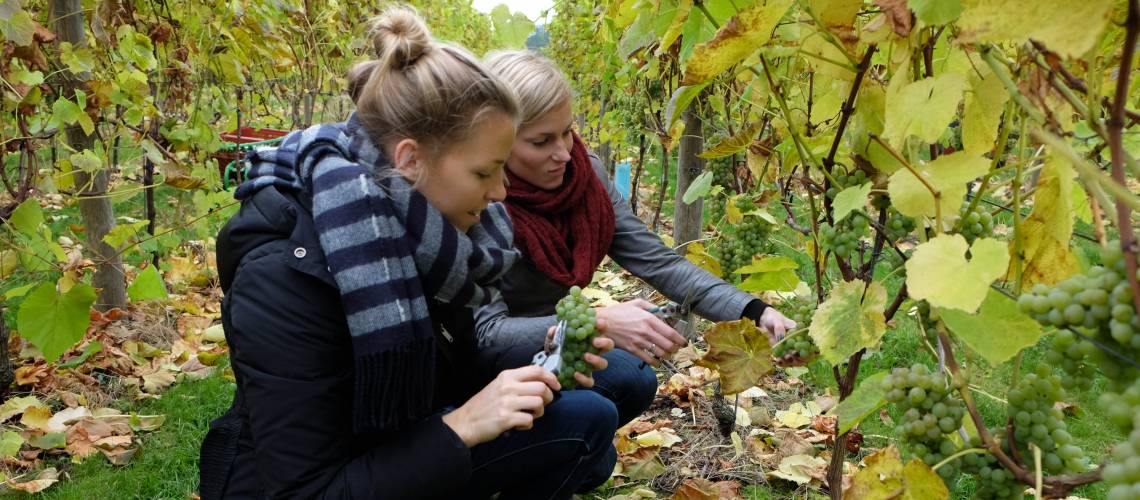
{"type": "Point", "coordinates": [419, 88]}
{"type": "Point", "coordinates": [537, 83]}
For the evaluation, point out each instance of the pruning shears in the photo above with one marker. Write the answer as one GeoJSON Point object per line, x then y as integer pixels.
{"type": "Point", "coordinates": [550, 358]}
{"type": "Point", "coordinates": [677, 315]}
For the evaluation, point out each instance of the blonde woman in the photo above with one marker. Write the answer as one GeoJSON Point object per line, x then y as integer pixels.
{"type": "Point", "coordinates": [349, 276]}
{"type": "Point", "coordinates": [567, 217]}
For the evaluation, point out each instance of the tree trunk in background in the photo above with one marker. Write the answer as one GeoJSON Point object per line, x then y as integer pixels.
{"type": "Point", "coordinates": [605, 152]}
{"type": "Point", "coordinates": [687, 217]}
{"type": "Point", "coordinates": [94, 207]}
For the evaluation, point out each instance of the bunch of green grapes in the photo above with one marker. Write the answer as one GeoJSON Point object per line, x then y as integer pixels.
{"type": "Point", "coordinates": [974, 224]}
{"type": "Point", "coordinates": [1098, 304]}
{"type": "Point", "coordinates": [899, 226]}
{"type": "Point", "coordinates": [1068, 352]}
{"type": "Point", "coordinates": [844, 181]}
{"type": "Point", "coordinates": [1122, 406]}
{"type": "Point", "coordinates": [1037, 421]}
{"type": "Point", "coordinates": [800, 311]}
{"type": "Point", "coordinates": [743, 242]}
{"type": "Point", "coordinates": [581, 328]}
{"type": "Point", "coordinates": [1122, 473]}
{"type": "Point", "coordinates": [843, 239]}
{"type": "Point", "coordinates": [930, 412]}
{"type": "Point", "coordinates": [994, 480]}
{"type": "Point", "coordinates": [795, 348]}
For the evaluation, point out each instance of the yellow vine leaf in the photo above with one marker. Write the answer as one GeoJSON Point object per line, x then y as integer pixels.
{"type": "Point", "coordinates": [948, 175]}
{"type": "Point", "coordinates": [939, 273]}
{"type": "Point", "coordinates": [735, 144]}
{"type": "Point", "coordinates": [1045, 234]}
{"type": "Point", "coordinates": [849, 320]}
{"type": "Point", "coordinates": [699, 256]}
{"type": "Point", "coordinates": [885, 477]}
{"type": "Point", "coordinates": [1066, 27]}
{"type": "Point", "coordinates": [747, 31]}
{"type": "Point", "coordinates": [678, 24]}
{"type": "Point", "coordinates": [923, 108]}
{"type": "Point", "coordinates": [982, 115]}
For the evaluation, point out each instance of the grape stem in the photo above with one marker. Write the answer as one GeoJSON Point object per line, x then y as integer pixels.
{"type": "Point", "coordinates": [933, 192]}
{"type": "Point", "coordinates": [1115, 126]}
{"type": "Point", "coordinates": [964, 452]}
{"type": "Point", "coordinates": [1037, 470]}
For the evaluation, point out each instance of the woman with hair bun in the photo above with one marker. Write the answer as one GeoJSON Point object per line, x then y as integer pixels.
{"type": "Point", "coordinates": [567, 218]}
{"type": "Point", "coordinates": [350, 274]}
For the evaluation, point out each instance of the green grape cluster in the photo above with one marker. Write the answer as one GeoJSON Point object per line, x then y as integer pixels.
{"type": "Point", "coordinates": [1122, 473]}
{"type": "Point", "coordinates": [1121, 406]}
{"type": "Point", "coordinates": [1070, 354]}
{"type": "Point", "coordinates": [744, 241]}
{"type": "Point", "coordinates": [899, 226]}
{"type": "Point", "coordinates": [797, 346]}
{"type": "Point", "coordinates": [581, 328]}
{"type": "Point", "coordinates": [843, 239]}
{"type": "Point", "coordinates": [1037, 421]}
{"type": "Point", "coordinates": [974, 224]}
{"type": "Point", "coordinates": [800, 311]}
{"type": "Point", "coordinates": [1098, 304]}
{"type": "Point", "coordinates": [994, 480]}
{"type": "Point", "coordinates": [846, 180]}
{"type": "Point", "coordinates": [930, 412]}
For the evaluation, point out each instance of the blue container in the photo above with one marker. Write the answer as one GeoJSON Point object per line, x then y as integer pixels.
{"type": "Point", "coordinates": [622, 179]}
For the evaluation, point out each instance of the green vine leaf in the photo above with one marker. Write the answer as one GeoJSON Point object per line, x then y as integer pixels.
{"type": "Point", "coordinates": [27, 218]}
{"type": "Point", "coordinates": [849, 320]}
{"type": "Point", "coordinates": [936, 12]}
{"type": "Point", "coordinates": [938, 271]}
{"type": "Point", "coordinates": [851, 199]}
{"type": "Point", "coordinates": [867, 397]}
{"type": "Point", "coordinates": [740, 352]}
{"type": "Point", "coordinates": [948, 175]}
{"type": "Point", "coordinates": [53, 321]}
{"type": "Point", "coordinates": [923, 109]}
{"type": "Point", "coordinates": [981, 115]}
{"type": "Point", "coordinates": [148, 285]}
{"type": "Point", "coordinates": [698, 188]}
{"type": "Point", "coordinates": [997, 332]}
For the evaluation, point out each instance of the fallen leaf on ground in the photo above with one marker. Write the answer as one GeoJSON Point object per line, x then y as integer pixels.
{"type": "Point", "coordinates": [696, 488]}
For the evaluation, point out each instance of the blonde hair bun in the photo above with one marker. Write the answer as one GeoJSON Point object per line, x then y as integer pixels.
{"type": "Point", "coordinates": [400, 38]}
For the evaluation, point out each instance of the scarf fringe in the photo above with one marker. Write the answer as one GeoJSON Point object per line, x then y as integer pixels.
{"type": "Point", "coordinates": [394, 387]}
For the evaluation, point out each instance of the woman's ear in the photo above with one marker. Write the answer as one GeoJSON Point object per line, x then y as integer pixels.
{"type": "Point", "coordinates": [407, 159]}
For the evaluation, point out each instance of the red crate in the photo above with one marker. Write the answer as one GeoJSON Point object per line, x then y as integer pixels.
{"type": "Point", "coordinates": [243, 135]}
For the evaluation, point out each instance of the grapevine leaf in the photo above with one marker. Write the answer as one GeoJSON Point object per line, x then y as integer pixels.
{"type": "Point", "coordinates": [784, 280]}
{"type": "Point", "coordinates": [740, 352]}
{"type": "Point", "coordinates": [923, 108]}
{"type": "Point", "coordinates": [948, 175]}
{"type": "Point", "coordinates": [19, 28]}
{"type": "Point", "coordinates": [675, 26]}
{"type": "Point", "coordinates": [698, 188]}
{"type": "Point", "coordinates": [27, 218]}
{"type": "Point", "coordinates": [747, 31]}
{"type": "Point", "coordinates": [936, 12]}
{"type": "Point", "coordinates": [735, 144]}
{"type": "Point", "coordinates": [849, 320]}
{"type": "Point", "coordinates": [732, 212]}
{"type": "Point", "coordinates": [1050, 22]}
{"type": "Point", "coordinates": [510, 30]}
{"type": "Point", "coordinates": [862, 402]}
{"type": "Point", "coordinates": [680, 101]}
{"type": "Point", "coordinates": [768, 265]}
{"type": "Point", "coordinates": [1046, 232]}
{"type": "Point", "coordinates": [148, 285]}
{"type": "Point", "coordinates": [998, 331]}
{"type": "Point", "coordinates": [837, 15]}
{"type": "Point", "coordinates": [885, 477]}
{"type": "Point", "coordinates": [122, 233]}
{"type": "Point", "coordinates": [16, 406]}
{"type": "Point", "coordinates": [637, 36]}
{"type": "Point", "coordinates": [851, 199]}
{"type": "Point", "coordinates": [697, 254]}
{"type": "Point", "coordinates": [939, 273]}
{"type": "Point", "coordinates": [982, 114]}
{"type": "Point", "coordinates": [54, 322]}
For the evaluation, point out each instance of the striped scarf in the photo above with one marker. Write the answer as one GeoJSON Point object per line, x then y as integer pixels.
{"type": "Point", "coordinates": [387, 248]}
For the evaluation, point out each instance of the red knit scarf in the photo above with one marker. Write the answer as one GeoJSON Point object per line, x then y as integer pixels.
{"type": "Point", "coordinates": [566, 231]}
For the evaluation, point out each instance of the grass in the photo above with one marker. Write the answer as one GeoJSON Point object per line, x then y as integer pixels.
{"type": "Point", "coordinates": [166, 467]}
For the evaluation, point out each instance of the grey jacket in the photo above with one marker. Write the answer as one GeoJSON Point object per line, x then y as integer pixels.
{"type": "Point", "coordinates": [520, 315]}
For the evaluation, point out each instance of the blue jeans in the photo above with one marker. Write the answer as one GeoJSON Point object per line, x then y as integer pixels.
{"type": "Point", "coordinates": [630, 383]}
{"type": "Point", "coordinates": [570, 449]}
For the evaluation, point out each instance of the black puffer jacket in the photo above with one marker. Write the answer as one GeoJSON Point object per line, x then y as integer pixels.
{"type": "Point", "coordinates": [289, 431]}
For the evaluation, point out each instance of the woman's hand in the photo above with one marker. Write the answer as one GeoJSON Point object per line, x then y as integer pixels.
{"type": "Point", "coordinates": [512, 401]}
{"type": "Point", "coordinates": [775, 323]}
{"type": "Point", "coordinates": [633, 328]}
